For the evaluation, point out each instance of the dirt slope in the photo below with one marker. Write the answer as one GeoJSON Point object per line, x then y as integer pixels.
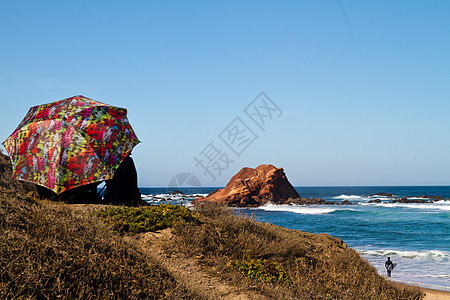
{"type": "Point", "coordinates": [186, 269]}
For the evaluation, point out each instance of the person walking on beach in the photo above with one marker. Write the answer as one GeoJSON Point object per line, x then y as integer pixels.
{"type": "Point", "coordinates": [389, 266]}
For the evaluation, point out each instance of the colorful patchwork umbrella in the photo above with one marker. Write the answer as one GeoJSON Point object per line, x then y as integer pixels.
{"type": "Point", "coordinates": [70, 143]}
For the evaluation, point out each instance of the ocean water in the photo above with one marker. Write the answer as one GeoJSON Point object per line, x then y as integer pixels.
{"type": "Point", "coordinates": [416, 236]}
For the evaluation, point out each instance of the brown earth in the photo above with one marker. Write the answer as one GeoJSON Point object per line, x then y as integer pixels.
{"type": "Point", "coordinates": [186, 269]}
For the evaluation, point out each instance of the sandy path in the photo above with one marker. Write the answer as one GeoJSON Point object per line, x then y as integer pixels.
{"type": "Point", "coordinates": [436, 295]}
{"type": "Point", "coordinates": [187, 271]}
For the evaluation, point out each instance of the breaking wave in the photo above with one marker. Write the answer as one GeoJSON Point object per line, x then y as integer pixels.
{"type": "Point", "coordinates": [350, 197]}
{"type": "Point", "coordinates": [172, 198]}
{"type": "Point", "coordinates": [426, 254]}
{"type": "Point", "coordinates": [439, 205]}
{"type": "Point", "coordinates": [301, 209]}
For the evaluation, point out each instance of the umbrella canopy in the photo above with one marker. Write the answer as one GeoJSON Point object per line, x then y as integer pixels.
{"type": "Point", "coordinates": [70, 143]}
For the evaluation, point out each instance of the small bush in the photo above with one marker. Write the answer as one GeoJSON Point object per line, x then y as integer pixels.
{"type": "Point", "coordinates": [145, 219]}
{"type": "Point", "coordinates": [263, 269]}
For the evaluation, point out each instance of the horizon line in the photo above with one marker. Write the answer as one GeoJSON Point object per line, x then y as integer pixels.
{"type": "Point", "coordinates": [420, 185]}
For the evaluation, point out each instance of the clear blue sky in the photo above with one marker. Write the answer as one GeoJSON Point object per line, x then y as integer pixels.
{"type": "Point", "coordinates": [364, 86]}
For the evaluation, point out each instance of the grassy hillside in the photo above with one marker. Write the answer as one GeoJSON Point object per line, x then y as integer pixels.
{"type": "Point", "coordinates": [318, 266]}
{"type": "Point", "coordinates": [54, 250]}
{"type": "Point", "coordinates": [57, 250]}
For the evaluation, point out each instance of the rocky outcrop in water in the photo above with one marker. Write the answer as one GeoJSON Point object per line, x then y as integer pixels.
{"type": "Point", "coordinates": [254, 187]}
{"type": "Point", "coordinates": [383, 194]}
{"type": "Point", "coordinates": [410, 199]}
{"type": "Point", "coordinates": [406, 200]}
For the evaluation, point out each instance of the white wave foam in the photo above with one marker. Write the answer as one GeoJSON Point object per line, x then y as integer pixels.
{"type": "Point", "coordinates": [349, 197]}
{"type": "Point", "coordinates": [183, 199]}
{"type": "Point", "coordinates": [443, 202]}
{"type": "Point", "coordinates": [438, 276]}
{"type": "Point", "coordinates": [298, 209]}
{"type": "Point", "coordinates": [160, 196]}
{"type": "Point", "coordinates": [367, 204]}
{"type": "Point", "coordinates": [425, 254]}
{"type": "Point", "coordinates": [440, 205]}
{"type": "Point", "coordinates": [199, 195]}
{"type": "Point", "coordinates": [172, 196]}
{"type": "Point", "coordinates": [362, 199]}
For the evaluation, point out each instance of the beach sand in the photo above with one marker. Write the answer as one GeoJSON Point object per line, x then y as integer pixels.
{"type": "Point", "coordinates": [436, 294]}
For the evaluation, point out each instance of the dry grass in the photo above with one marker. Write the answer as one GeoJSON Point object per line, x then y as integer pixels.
{"type": "Point", "coordinates": [10, 188]}
{"type": "Point", "coordinates": [320, 266]}
{"type": "Point", "coordinates": [51, 251]}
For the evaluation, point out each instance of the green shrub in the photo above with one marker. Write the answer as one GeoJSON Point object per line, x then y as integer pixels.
{"type": "Point", "coordinates": [144, 219]}
{"type": "Point", "coordinates": [263, 269]}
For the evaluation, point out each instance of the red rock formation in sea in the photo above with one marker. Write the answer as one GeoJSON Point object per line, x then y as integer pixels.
{"type": "Point", "coordinates": [254, 187]}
